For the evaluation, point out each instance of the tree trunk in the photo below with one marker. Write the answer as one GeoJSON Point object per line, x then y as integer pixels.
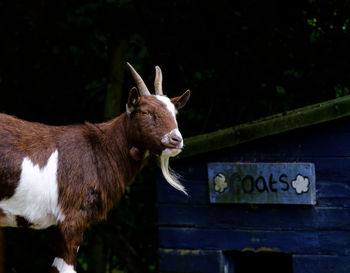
{"type": "Point", "coordinates": [113, 102]}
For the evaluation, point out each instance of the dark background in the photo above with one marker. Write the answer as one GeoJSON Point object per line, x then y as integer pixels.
{"type": "Point", "coordinates": [63, 62]}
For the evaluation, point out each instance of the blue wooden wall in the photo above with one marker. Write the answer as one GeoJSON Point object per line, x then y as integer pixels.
{"type": "Point", "coordinates": [194, 235]}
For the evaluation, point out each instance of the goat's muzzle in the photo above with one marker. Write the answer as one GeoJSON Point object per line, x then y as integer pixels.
{"type": "Point", "coordinates": [172, 143]}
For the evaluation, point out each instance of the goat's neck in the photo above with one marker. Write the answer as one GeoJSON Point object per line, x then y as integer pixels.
{"type": "Point", "coordinates": [118, 146]}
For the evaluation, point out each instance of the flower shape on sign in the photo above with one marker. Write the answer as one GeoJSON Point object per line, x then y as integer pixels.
{"type": "Point", "coordinates": [301, 184]}
{"type": "Point", "coordinates": [219, 182]}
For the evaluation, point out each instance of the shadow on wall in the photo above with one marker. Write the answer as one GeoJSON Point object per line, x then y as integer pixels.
{"type": "Point", "coordinates": [249, 261]}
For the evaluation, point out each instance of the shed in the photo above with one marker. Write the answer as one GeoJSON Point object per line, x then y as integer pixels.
{"type": "Point", "coordinates": [218, 229]}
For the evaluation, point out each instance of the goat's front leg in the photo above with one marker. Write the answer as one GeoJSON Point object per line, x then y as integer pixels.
{"type": "Point", "coordinates": [69, 240]}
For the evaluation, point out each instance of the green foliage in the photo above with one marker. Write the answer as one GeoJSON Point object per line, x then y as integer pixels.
{"type": "Point", "coordinates": [341, 91]}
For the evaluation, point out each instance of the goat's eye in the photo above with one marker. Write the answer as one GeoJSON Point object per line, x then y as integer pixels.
{"type": "Point", "coordinates": [145, 113]}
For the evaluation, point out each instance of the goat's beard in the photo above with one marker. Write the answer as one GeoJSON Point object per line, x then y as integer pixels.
{"type": "Point", "coordinates": [170, 176]}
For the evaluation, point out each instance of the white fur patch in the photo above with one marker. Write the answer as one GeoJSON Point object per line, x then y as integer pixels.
{"type": "Point", "coordinates": [36, 196]}
{"type": "Point", "coordinates": [169, 105]}
{"type": "Point", "coordinates": [62, 266]}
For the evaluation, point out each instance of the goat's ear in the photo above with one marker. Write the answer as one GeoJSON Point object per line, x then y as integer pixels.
{"type": "Point", "coordinates": [181, 101]}
{"type": "Point", "coordinates": [134, 96]}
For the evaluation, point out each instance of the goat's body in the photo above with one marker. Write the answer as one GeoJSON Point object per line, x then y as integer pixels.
{"type": "Point", "coordinates": [40, 164]}
{"type": "Point", "coordinates": [70, 176]}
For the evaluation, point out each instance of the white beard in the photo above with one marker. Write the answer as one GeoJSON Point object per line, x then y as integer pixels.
{"type": "Point", "coordinates": [170, 176]}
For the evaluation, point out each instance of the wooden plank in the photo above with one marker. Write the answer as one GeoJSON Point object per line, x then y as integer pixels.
{"type": "Point", "coordinates": [311, 141]}
{"type": "Point", "coordinates": [262, 183]}
{"type": "Point", "coordinates": [294, 144]}
{"type": "Point", "coordinates": [334, 193]}
{"type": "Point", "coordinates": [340, 202]}
{"type": "Point", "coordinates": [273, 125]}
{"type": "Point", "coordinates": [325, 242]}
{"type": "Point", "coordinates": [197, 189]}
{"type": "Point", "coordinates": [186, 260]}
{"type": "Point", "coordinates": [257, 217]}
{"type": "Point", "coordinates": [341, 125]}
{"type": "Point", "coordinates": [321, 144]}
{"type": "Point", "coordinates": [332, 176]}
{"type": "Point", "coordinates": [334, 189]}
{"type": "Point", "coordinates": [330, 193]}
{"type": "Point", "coordinates": [321, 264]}
{"type": "Point", "coordinates": [328, 166]}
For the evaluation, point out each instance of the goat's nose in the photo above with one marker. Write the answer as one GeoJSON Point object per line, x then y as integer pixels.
{"type": "Point", "coordinates": [176, 139]}
{"type": "Point", "coordinates": [173, 139]}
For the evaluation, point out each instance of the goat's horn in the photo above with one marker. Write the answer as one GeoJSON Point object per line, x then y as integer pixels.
{"type": "Point", "coordinates": [158, 81]}
{"type": "Point", "coordinates": [139, 82]}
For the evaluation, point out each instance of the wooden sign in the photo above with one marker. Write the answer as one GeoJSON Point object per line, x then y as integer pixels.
{"type": "Point", "coordinates": [262, 183]}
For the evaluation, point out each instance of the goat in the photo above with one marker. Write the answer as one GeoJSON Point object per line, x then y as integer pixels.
{"type": "Point", "coordinates": [70, 176]}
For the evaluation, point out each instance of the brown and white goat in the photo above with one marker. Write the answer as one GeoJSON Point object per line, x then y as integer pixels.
{"type": "Point", "coordinates": [70, 176]}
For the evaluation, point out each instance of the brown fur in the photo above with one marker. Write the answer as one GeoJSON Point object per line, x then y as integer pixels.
{"type": "Point", "coordinates": [94, 167]}
{"type": "Point", "coordinates": [95, 161]}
